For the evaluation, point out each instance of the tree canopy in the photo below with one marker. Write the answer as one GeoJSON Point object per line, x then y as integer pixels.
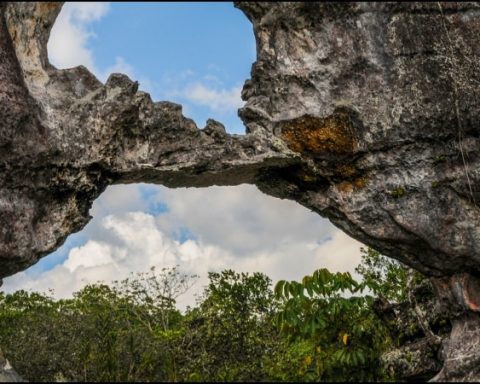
{"type": "Point", "coordinates": [323, 328]}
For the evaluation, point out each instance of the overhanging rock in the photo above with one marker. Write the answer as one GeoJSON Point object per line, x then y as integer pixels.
{"type": "Point", "coordinates": [366, 113]}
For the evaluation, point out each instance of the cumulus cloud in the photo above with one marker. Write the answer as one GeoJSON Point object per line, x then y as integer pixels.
{"type": "Point", "coordinates": [122, 66]}
{"type": "Point", "coordinates": [219, 100]}
{"type": "Point", "coordinates": [134, 244]}
{"type": "Point", "coordinates": [228, 227]}
{"type": "Point", "coordinates": [239, 218]}
{"type": "Point", "coordinates": [135, 227]}
{"type": "Point", "coordinates": [68, 43]}
{"type": "Point", "coordinates": [119, 199]}
{"type": "Point", "coordinates": [209, 91]}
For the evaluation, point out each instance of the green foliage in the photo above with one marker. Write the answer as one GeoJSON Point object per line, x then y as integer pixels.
{"type": "Point", "coordinates": [291, 361]}
{"type": "Point", "coordinates": [105, 333]}
{"type": "Point", "coordinates": [25, 331]}
{"type": "Point", "coordinates": [346, 334]}
{"type": "Point", "coordinates": [230, 333]}
{"type": "Point", "coordinates": [320, 329]}
{"type": "Point", "coordinates": [385, 277]}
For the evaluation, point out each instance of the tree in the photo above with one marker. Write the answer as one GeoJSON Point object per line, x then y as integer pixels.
{"type": "Point", "coordinates": [229, 335]}
{"type": "Point", "coordinates": [346, 335]}
{"type": "Point", "coordinates": [155, 293]}
{"type": "Point", "coordinates": [324, 328]}
{"type": "Point", "coordinates": [37, 334]}
{"type": "Point", "coordinates": [132, 324]}
{"type": "Point", "coordinates": [385, 277]}
{"type": "Point", "coordinates": [121, 332]}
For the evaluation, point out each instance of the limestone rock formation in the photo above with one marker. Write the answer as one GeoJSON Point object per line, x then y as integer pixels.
{"type": "Point", "coordinates": [65, 136]}
{"type": "Point", "coordinates": [366, 113]}
{"type": "Point", "coordinates": [418, 327]}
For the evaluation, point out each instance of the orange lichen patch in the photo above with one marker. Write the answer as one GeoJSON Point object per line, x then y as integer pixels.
{"type": "Point", "coordinates": [346, 170]}
{"type": "Point", "coordinates": [349, 186]}
{"type": "Point", "coordinates": [333, 134]}
{"type": "Point", "coordinates": [345, 186]}
{"type": "Point", "coordinates": [360, 182]}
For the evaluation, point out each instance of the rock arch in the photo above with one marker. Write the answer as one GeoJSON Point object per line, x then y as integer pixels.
{"type": "Point", "coordinates": [366, 113]}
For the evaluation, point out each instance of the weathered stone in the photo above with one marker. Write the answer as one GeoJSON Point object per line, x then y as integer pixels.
{"type": "Point", "coordinates": [413, 361]}
{"type": "Point", "coordinates": [388, 91]}
{"type": "Point", "coordinates": [461, 351]}
{"type": "Point", "coordinates": [73, 136]}
{"type": "Point", "coordinates": [366, 113]}
{"type": "Point", "coordinates": [7, 373]}
{"type": "Point", "coordinates": [418, 326]}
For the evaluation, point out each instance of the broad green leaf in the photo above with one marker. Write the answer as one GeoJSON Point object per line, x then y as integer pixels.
{"type": "Point", "coordinates": [279, 289]}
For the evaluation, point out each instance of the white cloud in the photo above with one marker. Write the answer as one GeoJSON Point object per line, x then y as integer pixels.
{"type": "Point", "coordinates": [295, 260]}
{"type": "Point", "coordinates": [68, 43]}
{"type": "Point", "coordinates": [86, 12]}
{"type": "Point", "coordinates": [91, 254]}
{"type": "Point", "coordinates": [219, 100]}
{"type": "Point", "coordinates": [174, 78]}
{"type": "Point", "coordinates": [340, 254]}
{"type": "Point", "coordinates": [233, 227]}
{"type": "Point", "coordinates": [117, 199]}
{"type": "Point", "coordinates": [208, 93]}
{"type": "Point", "coordinates": [134, 244]}
{"type": "Point", "coordinates": [240, 218]}
{"type": "Point", "coordinates": [69, 38]}
{"type": "Point", "coordinates": [120, 66]}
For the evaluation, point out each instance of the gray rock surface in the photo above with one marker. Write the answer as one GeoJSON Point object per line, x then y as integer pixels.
{"type": "Point", "coordinates": [381, 102]}
{"type": "Point", "coordinates": [64, 136]}
{"type": "Point", "coordinates": [366, 113]}
{"type": "Point", "coordinates": [7, 373]}
{"type": "Point", "coordinates": [418, 326]}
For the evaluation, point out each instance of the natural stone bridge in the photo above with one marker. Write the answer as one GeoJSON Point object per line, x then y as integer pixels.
{"type": "Point", "coordinates": [366, 113]}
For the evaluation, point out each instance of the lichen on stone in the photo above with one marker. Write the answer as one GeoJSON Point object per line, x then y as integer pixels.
{"type": "Point", "coordinates": [310, 134]}
{"type": "Point", "coordinates": [409, 72]}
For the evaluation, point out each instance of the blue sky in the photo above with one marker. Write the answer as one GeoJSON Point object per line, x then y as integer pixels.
{"type": "Point", "coordinates": [199, 55]}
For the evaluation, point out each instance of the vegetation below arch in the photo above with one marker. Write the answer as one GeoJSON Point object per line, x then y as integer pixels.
{"type": "Point", "coordinates": [324, 328]}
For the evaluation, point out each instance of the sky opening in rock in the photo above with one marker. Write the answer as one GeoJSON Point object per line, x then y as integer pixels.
{"type": "Point", "coordinates": [198, 55]}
